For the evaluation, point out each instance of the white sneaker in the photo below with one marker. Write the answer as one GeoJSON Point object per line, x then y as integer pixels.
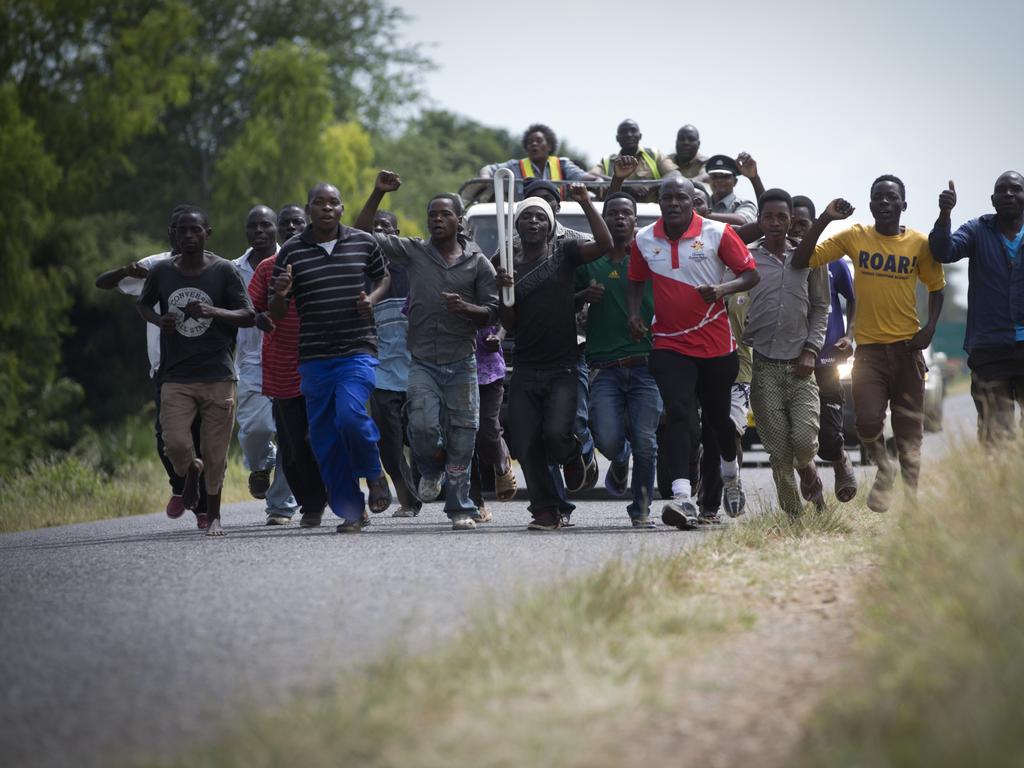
{"type": "Point", "coordinates": [733, 498]}
{"type": "Point", "coordinates": [430, 487]}
{"type": "Point", "coordinates": [680, 513]}
{"type": "Point", "coordinates": [463, 523]}
{"type": "Point", "coordinates": [405, 512]}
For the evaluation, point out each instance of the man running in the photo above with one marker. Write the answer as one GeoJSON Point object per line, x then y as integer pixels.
{"type": "Point", "coordinates": [542, 396]}
{"type": "Point", "coordinates": [202, 305]}
{"type": "Point", "coordinates": [888, 368]}
{"type": "Point", "coordinates": [324, 269]}
{"type": "Point", "coordinates": [995, 301]}
{"type": "Point", "coordinates": [694, 357]}
{"type": "Point", "coordinates": [452, 294]}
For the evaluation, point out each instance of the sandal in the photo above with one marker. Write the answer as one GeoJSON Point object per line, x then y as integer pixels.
{"type": "Point", "coordinates": [380, 494]}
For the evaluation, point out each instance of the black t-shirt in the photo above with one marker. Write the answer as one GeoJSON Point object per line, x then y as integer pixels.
{"type": "Point", "coordinates": [545, 317]}
{"type": "Point", "coordinates": [203, 349]}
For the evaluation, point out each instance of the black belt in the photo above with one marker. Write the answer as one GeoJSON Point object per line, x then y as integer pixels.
{"type": "Point", "coordinates": [775, 360]}
{"type": "Point", "coordinates": [625, 362]}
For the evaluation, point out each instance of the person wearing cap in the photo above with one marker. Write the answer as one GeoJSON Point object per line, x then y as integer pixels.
{"type": "Point", "coordinates": [725, 206]}
{"type": "Point", "coordinates": [541, 162]}
{"type": "Point", "coordinates": [687, 156]}
{"type": "Point", "coordinates": [652, 163]}
{"type": "Point", "coordinates": [542, 394]}
{"type": "Point", "coordinates": [452, 294]}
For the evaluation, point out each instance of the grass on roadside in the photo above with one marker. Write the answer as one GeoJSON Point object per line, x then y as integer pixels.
{"type": "Point", "coordinates": [563, 676]}
{"type": "Point", "coordinates": [111, 474]}
{"type": "Point", "coordinates": [937, 678]}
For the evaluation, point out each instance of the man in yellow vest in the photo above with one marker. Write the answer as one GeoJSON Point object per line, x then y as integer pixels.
{"type": "Point", "coordinates": [652, 163]}
{"type": "Point", "coordinates": [541, 162]}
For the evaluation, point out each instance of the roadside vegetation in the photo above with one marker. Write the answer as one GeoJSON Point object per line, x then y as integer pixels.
{"type": "Point", "coordinates": [937, 672]}
{"type": "Point", "coordinates": [113, 474]}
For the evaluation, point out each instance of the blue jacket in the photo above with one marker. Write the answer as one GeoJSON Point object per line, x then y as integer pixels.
{"type": "Point", "coordinates": [995, 293]}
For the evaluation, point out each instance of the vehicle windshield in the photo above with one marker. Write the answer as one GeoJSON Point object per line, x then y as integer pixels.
{"type": "Point", "coordinates": [484, 229]}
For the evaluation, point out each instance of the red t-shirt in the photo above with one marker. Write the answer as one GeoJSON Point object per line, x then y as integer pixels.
{"type": "Point", "coordinates": [683, 321]}
{"type": "Point", "coordinates": [281, 346]}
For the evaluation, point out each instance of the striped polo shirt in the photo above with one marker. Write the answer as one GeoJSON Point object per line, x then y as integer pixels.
{"type": "Point", "coordinates": [683, 321]}
{"type": "Point", "coordinates": [325, 287]}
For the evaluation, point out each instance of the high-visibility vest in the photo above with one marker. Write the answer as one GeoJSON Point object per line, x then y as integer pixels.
{"type": "Point", "coordinates": [554, 168]}
{"type": "Point", "coordinates": [645, 155]}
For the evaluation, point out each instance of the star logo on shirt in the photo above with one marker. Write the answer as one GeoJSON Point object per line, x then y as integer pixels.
{"type": "Point", "coordinates": [698, 246]}
{"type": "Point", "coordinates": [613, 275]}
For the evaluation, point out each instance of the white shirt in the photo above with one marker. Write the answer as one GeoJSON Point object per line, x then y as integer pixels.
{"type": "Point", "coordinates": [132, 286]}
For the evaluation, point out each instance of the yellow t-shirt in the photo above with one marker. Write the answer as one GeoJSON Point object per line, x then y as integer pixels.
{"type": "Point", "coordinates": [885, 275]}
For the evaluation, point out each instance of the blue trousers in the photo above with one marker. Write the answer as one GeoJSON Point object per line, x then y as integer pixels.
{"type": "Point", "coordinates": [625, 407]}
{"type": "Point", "coordinates": [341, 432]}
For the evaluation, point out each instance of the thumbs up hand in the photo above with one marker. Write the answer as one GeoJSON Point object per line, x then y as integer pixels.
{"type": "Point", "coordinates": [363, 304]}
{"type": "Point", "coordinates": [947, 199]}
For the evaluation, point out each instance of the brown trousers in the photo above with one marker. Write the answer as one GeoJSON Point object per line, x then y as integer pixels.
{"type": "Point", "coordinates": [214, 401]}
{"type": "Point", "coordinates": [891, 376]}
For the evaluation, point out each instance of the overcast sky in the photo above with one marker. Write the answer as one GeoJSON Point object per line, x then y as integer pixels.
{"type": "Point", "coordinates": [825, 97]}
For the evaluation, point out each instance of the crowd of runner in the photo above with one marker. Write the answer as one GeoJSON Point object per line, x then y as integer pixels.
{"type": "Point", "coordinates": [350, 354]}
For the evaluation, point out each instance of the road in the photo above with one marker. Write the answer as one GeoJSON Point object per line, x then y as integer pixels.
{"type": "Point", "coordinates": [136, 635]}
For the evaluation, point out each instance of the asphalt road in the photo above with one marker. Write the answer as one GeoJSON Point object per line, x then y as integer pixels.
{"type": "Point", "coordinates": [136, 635]}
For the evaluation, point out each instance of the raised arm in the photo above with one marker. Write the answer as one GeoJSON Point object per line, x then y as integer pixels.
{"type": "Point", "coordinates": [109, 279]}
{"type": "Point", "coordinates": [624, 167]}
{"type": "Point", "coordinates": [387, 181]}
{"type": "Point", "coordinates": [837, 210]}
{"type": "Point", "coordinates": [946, 247]}
{"type": "Point", "coordinates": [748, 167]}
{"type": "Point", "coordinates": [602, 242]}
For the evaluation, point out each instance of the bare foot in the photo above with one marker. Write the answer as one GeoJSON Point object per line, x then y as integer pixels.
{"type": "Point", "coordinates": [215, 528]}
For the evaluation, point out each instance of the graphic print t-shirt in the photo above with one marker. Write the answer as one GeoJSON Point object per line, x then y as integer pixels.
{"type": "Point", "coordinates": [885, 274]}
{"type": "Point", "coordinates": [200, 349]}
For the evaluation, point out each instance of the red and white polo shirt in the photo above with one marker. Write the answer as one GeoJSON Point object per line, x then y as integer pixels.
{"type": "Point", "coordinates": [683, 321]}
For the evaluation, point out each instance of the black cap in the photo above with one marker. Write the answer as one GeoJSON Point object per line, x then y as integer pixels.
{"type": "Point", "coordinates": [721, 164]}
{"type": "Point", "coordinates": [532, 186]}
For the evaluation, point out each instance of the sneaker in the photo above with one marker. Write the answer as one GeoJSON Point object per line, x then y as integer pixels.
{"type": "Point", "coordinates": [275, 519]}
{"type": "Point", "coordinates": [505, 485]}
{"type": "Point", "coordinates": [574, 472]}
{"type": "Point", "coordinates": [616, 479]}
{"type": "Point", "coordinates": [565, 520]}
{"type": "Point", "coordinates": [680, 513]}
{"type": "Point", "coordinates": [483, 515]}
{"type": "Point", "coordinates": [202, 521]}
{"type": "Point", "coordinates": [430, 487]}
{"type": "Point", "coordinates": [175, 507]}
{"type": "Point", "coordinates": [190, 492]}
{"type": "Point", "coordinates": [463, 523]}
{"type": "Point", "coordinates": [846, 480]}
{"type": "Point", "coordinates": [733, 498]}
{"type": "Point", "coordinates": [642, 522]}
{"type": "Point", "coordinates": [351, 526]}
{"type": "Point", "coordinates": [380, 494]}
{"type": "Point", "coordinates": [592, 474]}
{"type": "Point", "coordinates": [311, 519]}
{"type": "Point", "coordinates": [406, 512]}
{"type": "Point", "coordinates": [259, 483]}
{"type": "Point", "coordinates": [709, 517]}
{"type": "Point", "coordinates": [544, 522]}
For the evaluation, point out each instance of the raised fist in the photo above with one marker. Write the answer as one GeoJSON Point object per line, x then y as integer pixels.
{"type": "Point", "coordinates": [387, 181]}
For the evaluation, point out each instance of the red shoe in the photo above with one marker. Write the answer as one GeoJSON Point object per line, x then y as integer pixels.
{"type": "Point", "coordinates": [202, 521]}
{"type": "Point", "coordinates": [175, 507]}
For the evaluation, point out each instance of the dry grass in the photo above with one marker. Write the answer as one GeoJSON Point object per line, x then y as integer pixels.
{"type": "Point", "coordinates": [560, 677]}
{"type": "Point", "coordinates": [938, 673]}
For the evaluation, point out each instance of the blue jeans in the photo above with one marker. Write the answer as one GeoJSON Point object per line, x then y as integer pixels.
{"type": "Point", "coordinates": [443, 403]}
{"type": "Point", "coordinates": [256, 428]}
{"type": "Point", "coordinates": [582, 424]}
{"type": "Point", "coordinates": [341, 432]}
{"type": "Point", "coordinates": [625, 406]}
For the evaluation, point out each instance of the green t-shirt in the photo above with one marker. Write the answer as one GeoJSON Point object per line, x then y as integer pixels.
{"type": "Point", "coordinates": [608, 321]}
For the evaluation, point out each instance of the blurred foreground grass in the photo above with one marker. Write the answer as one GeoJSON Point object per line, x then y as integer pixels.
{"type": "Point", "coordinates": [937, 675]}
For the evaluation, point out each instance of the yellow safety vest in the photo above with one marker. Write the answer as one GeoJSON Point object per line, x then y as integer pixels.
{"type": "Point", "coordinates": [645, 156]}
{"type": "Point", "coordinates": [554, 168]}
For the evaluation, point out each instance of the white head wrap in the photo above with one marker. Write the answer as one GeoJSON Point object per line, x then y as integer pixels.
{"type": "Point", "coordinates": [536, 202]}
